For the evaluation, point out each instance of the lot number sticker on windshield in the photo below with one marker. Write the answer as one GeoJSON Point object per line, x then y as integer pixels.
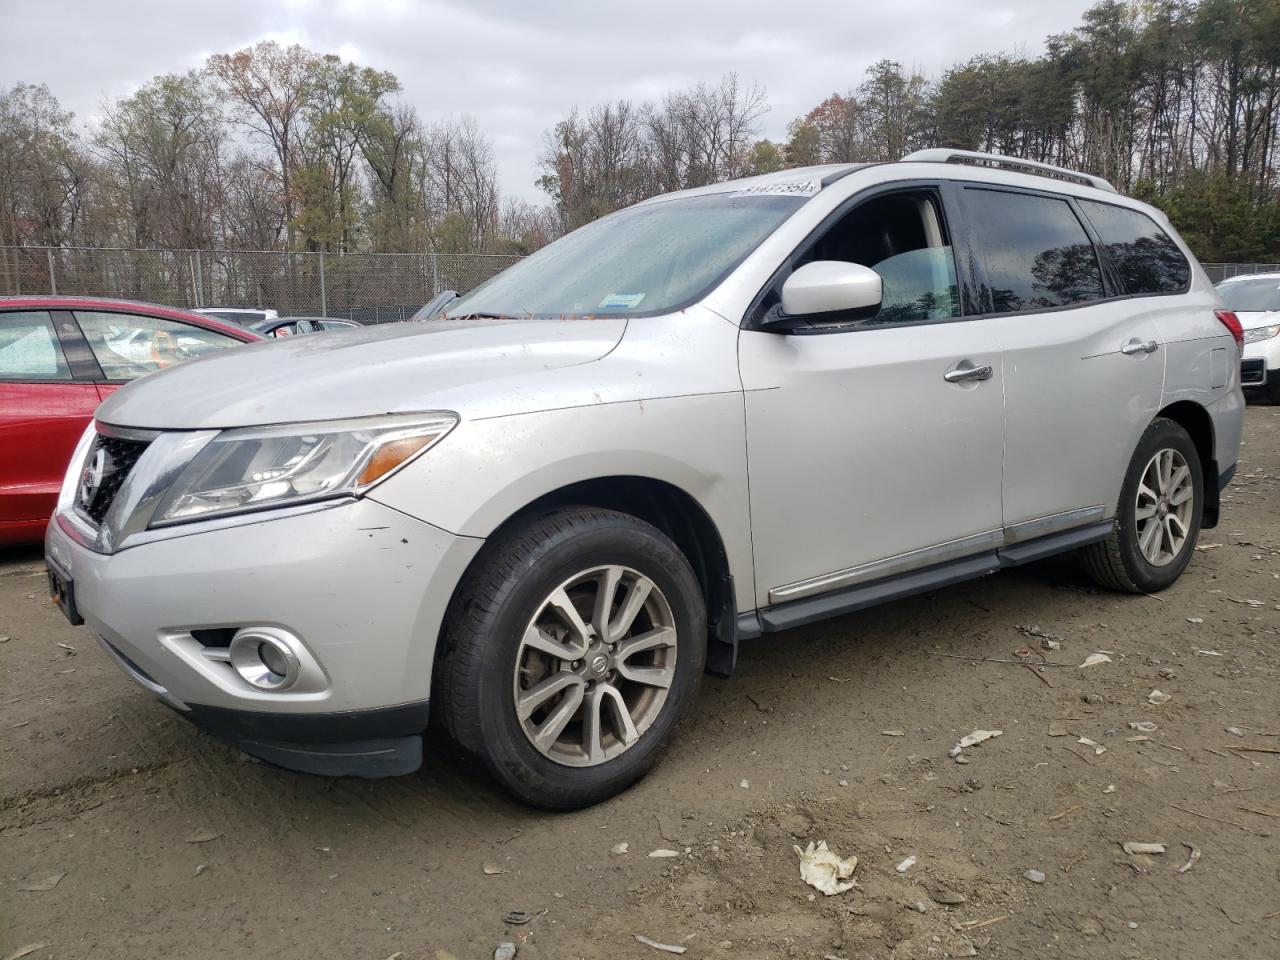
{"type": "Point", "coordinates": [785, 188]}
{"type": "Point", "coordinates": [624, 301]}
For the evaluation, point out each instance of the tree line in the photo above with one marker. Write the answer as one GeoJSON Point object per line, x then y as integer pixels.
{"type": "Point", "coordinates": [271, 147]}
{"type": "Point", "coordinates": [1174, 101]}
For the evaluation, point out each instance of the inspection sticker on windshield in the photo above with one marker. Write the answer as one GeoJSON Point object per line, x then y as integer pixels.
{"type": "Point", "coordinates": [787, 188]}
{"type": "Point", "coordinates": [621, 301]}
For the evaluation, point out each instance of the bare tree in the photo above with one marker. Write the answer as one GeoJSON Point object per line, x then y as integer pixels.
{"type": "Point", "coordinates": [462, 189]}
{"type": "Point", "coordinates": [161, 149]}
{"type": "Point", "coordinates": [617, 153]}
{"type": "Point", "coordinates": [44, 173]}
{"type": "Point", "coordinates": [270, 87]}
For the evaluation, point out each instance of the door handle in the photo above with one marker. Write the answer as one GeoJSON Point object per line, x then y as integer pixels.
{"type": "Point", "coordinates": [1135, 346]}
{"type": "Point", "coordinates": [966, 372]}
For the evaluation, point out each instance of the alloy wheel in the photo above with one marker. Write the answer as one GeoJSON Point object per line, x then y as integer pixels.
{"type": "Point", "coordinates": [1166, 495]}
{"type": "Point", "coordinates": [595, 665]}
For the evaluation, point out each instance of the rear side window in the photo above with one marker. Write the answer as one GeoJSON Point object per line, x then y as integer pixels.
{"type": "Point", "coordinates": [1146, 257]}
{"type": "Point", "coordinates": [1037, 254]}
{"type": "Point", "coordinates": [29, 348]}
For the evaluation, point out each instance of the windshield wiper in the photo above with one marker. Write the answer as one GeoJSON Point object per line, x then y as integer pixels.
{"type": "Point", "coordinates": [480, 316]}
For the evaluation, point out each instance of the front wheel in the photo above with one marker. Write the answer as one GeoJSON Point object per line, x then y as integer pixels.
{"type": "Point", "coordinates": [1158, 517]}
{"type": "Point", "coordinates": [571, 652]}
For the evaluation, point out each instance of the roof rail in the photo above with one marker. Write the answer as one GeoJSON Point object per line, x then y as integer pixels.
{"type": "Point", "coordinates": [1013, 164]}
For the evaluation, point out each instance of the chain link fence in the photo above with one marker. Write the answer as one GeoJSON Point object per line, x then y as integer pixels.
{"type": "Point", "coordinates": [1222, 271]}
{"type": "Point", "coordinates": [366, 287]}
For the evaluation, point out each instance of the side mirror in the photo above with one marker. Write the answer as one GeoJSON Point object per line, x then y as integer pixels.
{"type": "Point", "coordinates": [832, 286]}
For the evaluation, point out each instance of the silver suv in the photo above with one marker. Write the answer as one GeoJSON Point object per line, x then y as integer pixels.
{"type": "Point", "coordinates": [719, 413]}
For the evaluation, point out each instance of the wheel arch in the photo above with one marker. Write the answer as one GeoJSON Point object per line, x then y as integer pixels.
{"type": "Point", "coordinates": [681, 517]}
{"type": "Point", "coordinates": [1196, 420]}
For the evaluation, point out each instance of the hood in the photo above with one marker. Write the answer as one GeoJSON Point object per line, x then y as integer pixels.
{"type": "Point", "coordinates": [1252, 319]}
{"type": "Point", "coordinates": [397, 368]}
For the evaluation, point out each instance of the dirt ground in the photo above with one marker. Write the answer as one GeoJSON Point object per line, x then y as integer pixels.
{"type": "Point", "coordinates": [146, 838]}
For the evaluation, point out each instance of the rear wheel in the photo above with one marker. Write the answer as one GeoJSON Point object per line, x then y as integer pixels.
{"type": "Point", "coordinates": [1158, 517]}
{"type": "Point", "coordinates": [571, 653]}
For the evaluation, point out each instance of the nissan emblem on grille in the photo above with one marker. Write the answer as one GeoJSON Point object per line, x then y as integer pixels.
{"type": "Point", "coordinates": [109, 462]}
{"type": "Point", "coordinates": [91, 477]}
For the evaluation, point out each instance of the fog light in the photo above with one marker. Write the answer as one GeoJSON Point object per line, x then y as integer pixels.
{"type": "Point", "coordinates": [264, 660]}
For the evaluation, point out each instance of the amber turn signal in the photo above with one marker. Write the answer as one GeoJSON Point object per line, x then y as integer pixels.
{"type": "Point", "coordinates": [390, 455]}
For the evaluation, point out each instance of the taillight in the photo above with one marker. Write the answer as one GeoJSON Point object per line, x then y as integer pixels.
{"type": "Point", "coordinates": [1229, 320]}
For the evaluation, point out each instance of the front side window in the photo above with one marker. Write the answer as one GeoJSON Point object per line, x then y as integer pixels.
{"type": "Point", "coordinates": [903, 237]}
{"type": "Point", "coordinates": [649, 259]}
{"type": "Point", "coordinates": [1036, 252]}
{"type": "Point", "coordinates": [1146, 258]}
{"type": "Point", "coordinates": [1255, 295]}
{"type": "Point", "coordinates": [29, 347]}
{"type": "Point", "coordinates": [128, 345]}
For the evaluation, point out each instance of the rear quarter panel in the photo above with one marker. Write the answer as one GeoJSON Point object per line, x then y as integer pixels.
{"type": "Point", "coordinates": [1202, 363]}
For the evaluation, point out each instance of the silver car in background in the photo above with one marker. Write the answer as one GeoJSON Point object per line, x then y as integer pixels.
{"type": "Point", "coordinates": [723, 412]}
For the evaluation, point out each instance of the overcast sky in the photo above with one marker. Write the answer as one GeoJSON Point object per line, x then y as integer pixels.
{"type": "Point", "coordinates": [519, 65]}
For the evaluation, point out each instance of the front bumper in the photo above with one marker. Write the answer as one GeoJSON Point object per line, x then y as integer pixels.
{"type": "Point", "coordinates": [362, 587]}
{"type": "Point", "coordinates": [1260, 364]}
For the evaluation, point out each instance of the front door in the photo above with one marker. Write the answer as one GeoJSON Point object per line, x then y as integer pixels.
{"type": "Point", "coordinates": [874, 446]}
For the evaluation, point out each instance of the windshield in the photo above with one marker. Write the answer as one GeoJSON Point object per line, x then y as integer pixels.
{"type": "Point", "coordinates": [645, 260]}
{"type": "Point", "coordinates": [1247, 296]}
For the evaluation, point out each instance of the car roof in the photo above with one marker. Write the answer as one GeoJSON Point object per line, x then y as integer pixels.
{"type": "Point", "coordinates": [794, 181]}
{"type": "Point", "coordinates": [113, 305]}
{"type": "Point", "coordinates": [808, 182]}
{"type": "Point", "coordinates": [1250, 276]}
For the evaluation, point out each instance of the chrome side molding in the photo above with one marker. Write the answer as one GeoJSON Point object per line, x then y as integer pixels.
{"type": "Point", "coordinates": [939, 553]}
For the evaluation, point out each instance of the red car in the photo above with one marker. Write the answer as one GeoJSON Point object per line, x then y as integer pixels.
{"type": "Point", "coordinates": [59, 358]}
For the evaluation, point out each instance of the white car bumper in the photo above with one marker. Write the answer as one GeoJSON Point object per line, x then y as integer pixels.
{"type": "Point", "coordinates": [1260, 364]}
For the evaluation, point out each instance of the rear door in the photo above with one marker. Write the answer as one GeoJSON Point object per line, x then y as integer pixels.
{"type": "Point", "coordinates": [47, 397]}
{"type": "Point", "coordinates": [1083, 366]}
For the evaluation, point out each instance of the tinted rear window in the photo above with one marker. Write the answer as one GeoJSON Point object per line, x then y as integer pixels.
{"type": "Point", "coordinates": [1146, 257]}
{"type": "Point", "coordinates": [1037, 254]}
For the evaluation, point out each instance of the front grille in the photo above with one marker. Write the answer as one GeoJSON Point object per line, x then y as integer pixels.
{"type": "Point", "coordinates": [104, 471]}
{"type": "Point", "coordinates": [1253, 370]}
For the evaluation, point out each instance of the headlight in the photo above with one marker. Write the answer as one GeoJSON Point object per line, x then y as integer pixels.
{"type": "Point", "coordinates": [1258, 334]}
{"type": "Point", "coordinates": [259, 467]}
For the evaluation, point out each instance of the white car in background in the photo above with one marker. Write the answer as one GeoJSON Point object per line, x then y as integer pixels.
{"type": "Point", "coordinates": [1256, 302]}
{"type": "Point", "coordinates": [243, 316]}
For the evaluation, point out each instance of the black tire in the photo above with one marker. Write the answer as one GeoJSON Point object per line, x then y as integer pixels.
{"type": "Point", "coordinates": [1273, 391]}
{"type": "Point", "coordinates": [1118, 563]}
{"type": "Point", "coordinates": [481, 643]}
